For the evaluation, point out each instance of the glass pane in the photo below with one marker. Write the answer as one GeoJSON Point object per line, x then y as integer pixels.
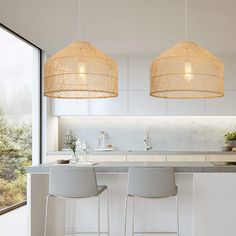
{"type": "Point", "coordinates": [17, 78]}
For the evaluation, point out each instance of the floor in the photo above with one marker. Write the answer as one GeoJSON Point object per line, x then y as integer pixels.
{"type": "Point", "coordinates": [14, 222]}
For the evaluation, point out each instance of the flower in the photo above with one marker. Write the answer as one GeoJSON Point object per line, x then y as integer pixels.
{"type": "Point", "coordinates": [71, 142]}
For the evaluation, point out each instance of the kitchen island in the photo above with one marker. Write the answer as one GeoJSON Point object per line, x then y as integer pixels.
{"type": "Point", "coordinates": [207, 192]}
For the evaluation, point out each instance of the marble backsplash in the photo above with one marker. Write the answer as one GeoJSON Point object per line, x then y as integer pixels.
{"type": "Point", "coordinates": [166, 133]}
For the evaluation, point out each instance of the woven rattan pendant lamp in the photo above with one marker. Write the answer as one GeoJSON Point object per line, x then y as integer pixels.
{"type": "Point", "coordinates": [80, 71]}
{"type": "Point", "coordinates": [187, 71]}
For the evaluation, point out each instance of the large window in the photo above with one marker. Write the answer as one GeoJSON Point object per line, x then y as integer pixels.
{"type": "Point", "coordinates": [19, 115]}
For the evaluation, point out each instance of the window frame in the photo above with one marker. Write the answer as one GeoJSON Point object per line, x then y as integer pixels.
{"type": "Point", "coordinates": [20, 204]}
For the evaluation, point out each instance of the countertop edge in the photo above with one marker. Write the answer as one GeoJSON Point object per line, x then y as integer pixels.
{"type": "Point", "coordinates": [119, 167]}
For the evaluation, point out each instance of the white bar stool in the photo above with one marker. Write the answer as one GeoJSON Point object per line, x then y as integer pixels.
{"type": "Point", "coordinates": [149, 182]}
{"type": "Point", "coordinates": [76, 183]}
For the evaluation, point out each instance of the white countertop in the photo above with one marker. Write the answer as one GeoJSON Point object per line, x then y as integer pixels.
{"type": "Point", "coordinates": [115, 167]}
{"type": "Point", "coordinates": [140, 152]}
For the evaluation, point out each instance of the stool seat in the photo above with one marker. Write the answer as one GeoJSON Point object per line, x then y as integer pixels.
{"type": "Point", "coordinates": [151, 182]}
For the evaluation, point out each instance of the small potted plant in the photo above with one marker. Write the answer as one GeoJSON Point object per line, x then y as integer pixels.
{"type": "Point", "coordinates": [230, 138]}
{"type": "Point", "coordinates": [71, 142]}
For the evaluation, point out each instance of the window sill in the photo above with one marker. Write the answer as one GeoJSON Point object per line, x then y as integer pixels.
{"type": "Point", "coordinates": [13, 207]}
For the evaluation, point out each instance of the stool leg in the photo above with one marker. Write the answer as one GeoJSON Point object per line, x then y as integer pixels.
{"type": "Point", "coordinates": [125, 218]}
{"type": "Point", "coordinates": [108, 214]}
{"type": "Point", "coordinates": [177, 211]}
{"type": "Point", "coordinates": [46, 216]}
{"type": "Point", "coordinates": [98, 202]}
{"type": "Point", "coordinates": [133, 219]}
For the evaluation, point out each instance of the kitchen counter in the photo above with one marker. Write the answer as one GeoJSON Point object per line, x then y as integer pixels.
{"type": "Point", "coordinates": [113, 167]}
{"type": "Point", "coordinates": [151, 152]}
{"type": "Point", "coordinates": [202, 188]}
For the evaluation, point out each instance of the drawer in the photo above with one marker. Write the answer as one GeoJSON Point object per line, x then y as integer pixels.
{"type": "Point", "coordinates": [223, 158]}
{"type": "Point", "coordinates": [176, 158]}
{"type": "Point", "coordinates": [146, 158]}
{"type": "Point", "coordinates": [104, 158]}
{"type": "Point", "coordinates": [54, 158]}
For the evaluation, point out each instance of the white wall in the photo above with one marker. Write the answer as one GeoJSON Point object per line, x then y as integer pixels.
{"type": "Point", "coordinates": [167, 133]}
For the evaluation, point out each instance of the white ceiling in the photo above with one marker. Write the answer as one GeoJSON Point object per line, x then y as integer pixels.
{"type": "Point", "coordinates": [123, 26]}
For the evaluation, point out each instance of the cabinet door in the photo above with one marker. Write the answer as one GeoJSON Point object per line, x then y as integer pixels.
{"type": "Point", "coordinates": [176, 158]}
{"type": "Point", "coordinates": [146, 158]}
{"type": "Point", "coordinates": [139, 72]}
{"type": "Point", "coordinates": [116, 106]}
{"type": "Point", "coordinates": [122, 62]}
{"type": "Point", "coordinates": [221, 158]}
{"type": "Point", "coordinates": [214, 204]}
{"type": "Point", "coordinates": [69, 107]}
{"type": "Point", "coordinates": [224, 106]}
{"type": "Point", "coordinates": [141, 103]}
{"type": "Point", "coordinates": [104, 158]}
{"type": "Point", "coordinates": [53, 158]}
{"type": "Point", "coordinates": [186, 107]}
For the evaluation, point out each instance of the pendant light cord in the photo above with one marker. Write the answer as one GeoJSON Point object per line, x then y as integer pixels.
{"type": "Point", "coordinates": [79, 19]}
{"type": "Point", "coordinates": [186, 19]}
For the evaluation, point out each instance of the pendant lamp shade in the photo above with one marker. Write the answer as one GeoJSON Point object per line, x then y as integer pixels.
{"type": "Point", "coordinates": [187, 71]}
{"type": "Point", "coordinates": [80, 71]}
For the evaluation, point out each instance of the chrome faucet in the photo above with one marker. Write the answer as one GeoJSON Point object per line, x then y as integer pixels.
{"type": "Point", "coordinates": [147, 145]}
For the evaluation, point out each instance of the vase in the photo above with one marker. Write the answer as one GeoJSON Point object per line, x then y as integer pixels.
{"type": "Point", "coordinates": [232, 143]}
{"type": "Point", "coordinates": [74, 158]}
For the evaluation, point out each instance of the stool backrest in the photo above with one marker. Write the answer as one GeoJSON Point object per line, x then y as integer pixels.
{"type": "Point", "coordinates": [150, 182]}
{"type": "Point", "coordinates": [73, 182]}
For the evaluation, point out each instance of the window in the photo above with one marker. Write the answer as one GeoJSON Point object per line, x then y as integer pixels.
{"type": "Point", "coordinates": [19, 115]}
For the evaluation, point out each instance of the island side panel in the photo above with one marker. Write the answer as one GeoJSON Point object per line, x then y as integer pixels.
{"type": "Point", "coordinates": [37, 191]}
{"type": "Point", "coordinates": [214, 204]}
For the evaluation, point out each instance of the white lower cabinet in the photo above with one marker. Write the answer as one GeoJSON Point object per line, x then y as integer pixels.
{"type": "Point", "coordinates": [53, 158]}
{"type": "Point", "coordinates": [104, 158]}
{"type": "Point", "coordinates": [176, 158]}
{"type": "Point", "coordinates": [221, 158]}
{"type": "Point", "coordinates": [214, 204]}
{"type": "Point", "coordinates": [146, 158]}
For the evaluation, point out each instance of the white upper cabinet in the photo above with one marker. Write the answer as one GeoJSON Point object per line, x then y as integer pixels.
{"type": "Point", "coordinates": [69, 107]}
{"type": "Point", "coordinates": [107, 106]}
{"type": "Point", "coordinates": [122, 62]}
{"type": "Point", "coordinates": [134, 98]}
{"type": "Point", "coordinates": [230, 72]}
{"type": "Point", "coordinates": [224, 106]}
{"type": "Point", "coordinates": [139, 72]}
{"type": "Point", "coordinates": [116, 106]}
{"type": "Point", "coordinates": [139, 100]}
{"type": "Point", "coordinates": [185, 107]}
{"type": "Point", "coordinates": [141, 103]}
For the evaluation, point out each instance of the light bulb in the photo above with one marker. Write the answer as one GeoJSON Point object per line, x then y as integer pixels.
{"type": "Point", "coordinates": [188, 71]}
{"type": "Point", "coordinates": [82, 71]}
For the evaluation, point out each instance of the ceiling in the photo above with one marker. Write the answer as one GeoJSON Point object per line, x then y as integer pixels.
{"type": "Point", "coordinates": [123, 26]}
